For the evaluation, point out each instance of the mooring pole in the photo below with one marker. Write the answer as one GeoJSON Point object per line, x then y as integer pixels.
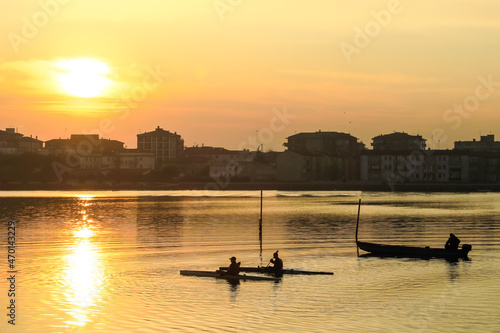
{"type": "Point", "coordinates": [357, 222]}
{"type": "Point", "coordinates": [260, 226]}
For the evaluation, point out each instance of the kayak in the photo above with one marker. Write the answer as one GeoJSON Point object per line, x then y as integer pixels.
{"type": "Point", "coordinates": [270, 270]}
{"type": "Point", "coordinates": [220, 275]}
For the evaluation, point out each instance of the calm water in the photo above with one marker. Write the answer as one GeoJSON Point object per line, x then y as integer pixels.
{"type": "Point", "coordinates": [110, 261]}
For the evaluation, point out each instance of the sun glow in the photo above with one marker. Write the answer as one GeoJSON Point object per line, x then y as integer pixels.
{"type": "Point", "coordinates": [83, 77]}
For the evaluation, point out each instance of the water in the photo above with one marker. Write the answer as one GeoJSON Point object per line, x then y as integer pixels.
{"type": "Point", "coordinates": [110, 261]}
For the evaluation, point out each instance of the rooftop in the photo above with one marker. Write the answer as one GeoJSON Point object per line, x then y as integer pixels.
{"type": "Point", "coordinates": [159, 132]}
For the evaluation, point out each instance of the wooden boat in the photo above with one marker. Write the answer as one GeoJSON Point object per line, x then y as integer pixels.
{"type": "Point", "coordinates": [412, 251]}
{"type": "Point", "coordinates": [270, 270]}
{"type": "Point", "coordinates": [409, 251]}
{"type": "Point", "coordinates": [220, 275]}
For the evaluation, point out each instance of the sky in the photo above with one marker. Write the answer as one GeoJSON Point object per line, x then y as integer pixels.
{"type": "Point", "coordinates": [247, 73]}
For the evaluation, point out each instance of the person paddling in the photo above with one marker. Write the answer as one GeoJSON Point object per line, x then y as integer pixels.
{"type": "Point", "coordinates": [234, 267]}
{"type": "Point", "coordinates": [277, 263]}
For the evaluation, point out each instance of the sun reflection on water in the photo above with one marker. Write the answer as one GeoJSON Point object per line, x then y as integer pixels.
{"type": "Point", "coordinates": [84, 274]}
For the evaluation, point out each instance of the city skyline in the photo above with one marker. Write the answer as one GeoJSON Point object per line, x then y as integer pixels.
{"type": "Point", "coordinates": [252, 139]}
{"type": "Point", "coordinates": [221, 71]}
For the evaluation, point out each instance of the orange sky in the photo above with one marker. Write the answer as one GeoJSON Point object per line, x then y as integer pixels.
{"type": "Point", "coordinates": [219, 72]}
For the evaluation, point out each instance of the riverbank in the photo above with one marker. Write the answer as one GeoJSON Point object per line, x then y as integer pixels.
{"type": "Point", "coordinates": [241, 186]}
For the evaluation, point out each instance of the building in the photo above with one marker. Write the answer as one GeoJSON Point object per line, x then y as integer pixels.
{"type": "Point", "coordinates": [306, 167]}
{"type": "Point", "coordinates": [16, 143]}
{"type": "Point", "coordinates": [163, 144]}
{"type": "Point", "coordinates": [398, 141]}
{"type": "Point", "coordinates": [87, 153]}
{"type": "Point", "coordinates": [486, 144]}
{"type": "Point", "coordinates": [222, 164]}
{"type": "Point", "coordinates": [334, 156]}
{"type": "Point", "coordinates": [133, 159]}
{"type": "Point", "coordinates": [82, 145]}
{"type": "Point", "coordinates": [484, 156]}
{"type": "Point", "coordinates": [484, 167]}
{"type": "Point", "coordinates": [469, 162]}
{"type": "Point", "coordinates": [403, 157]}
{"type": "Point", "coordinates": [292, 166]}
{"type": "Point", "coordinates": [129, 160]}
{"type": "Point", "coordinates": [415, 166]}
{"type": "Point", "coordinates": [327, 143]}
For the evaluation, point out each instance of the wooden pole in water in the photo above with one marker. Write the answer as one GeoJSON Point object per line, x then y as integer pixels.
{"type": "Point", "coordinates": [260, 226]}
{"type": "Point", "coordinates": [261, 207]}
{"type": "Point", "coordinates": [357, 222]}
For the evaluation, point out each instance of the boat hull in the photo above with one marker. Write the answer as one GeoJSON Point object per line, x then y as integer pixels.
{"type": "Point", "coordinates": [270, 270]}
{"type": "Point", "coordinates": [411, 251]}
{"type": "Point", "coordinates": [220, 275]}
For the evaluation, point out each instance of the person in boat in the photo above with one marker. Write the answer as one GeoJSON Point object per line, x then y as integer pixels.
{"type": "Point", "coordinates": [277, 263]}
{"type": "Point", "coordinates": [234, 267]}
{"type": "Point", "coordinates": [452, 243]}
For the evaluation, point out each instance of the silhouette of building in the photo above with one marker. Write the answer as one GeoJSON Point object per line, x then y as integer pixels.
{"type": "Point", "coordinates": [484, 158]}
{"type": "Point", "coordinates": [16, 143]}
{"type": "Point", "coordinates": [398, 141]}
{"type": "Point", "coordinates": [327, 143]}
{"type": "Point", "coordinates": [83, 145]}
{"type": "Point", "coordinates": [403, 157]}
{"type": "Point", "coordinates": [325, 156]}
{"type": "Point", "coordinates": [297, 167]}
{"type": "Point", "coordinates": [128, 159]}
{"type": "Point", "coordinates": [88, 152]}
{"type": "Point", "coordinates": [163, 144]}
{"type": "Point", "coordinates": [469, 162]}
{"type": "Point", "coordinates": [486, 144]}
{"type": "Point", "coordinates": [414, 166]}
{"type": "Point", "coordinates": [222, 165]}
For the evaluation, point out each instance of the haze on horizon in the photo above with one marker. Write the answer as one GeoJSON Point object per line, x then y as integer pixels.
{"type": "Point", "coordinates": [218, 71]}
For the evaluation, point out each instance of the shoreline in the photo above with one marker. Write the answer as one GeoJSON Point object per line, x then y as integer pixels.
{"type": "Point", "coordinates": [241, 186]}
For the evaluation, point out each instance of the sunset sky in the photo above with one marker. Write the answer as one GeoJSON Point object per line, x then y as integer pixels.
{"type": "Point", "coordinates": [219, 71]}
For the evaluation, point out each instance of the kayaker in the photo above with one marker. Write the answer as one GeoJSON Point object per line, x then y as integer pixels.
{"type": "Point", "coordinates": [452, 243]}
{"type": "Point", "coordinates": [277, 262]}
{"type": "Point", "coordinates": [234, 267]}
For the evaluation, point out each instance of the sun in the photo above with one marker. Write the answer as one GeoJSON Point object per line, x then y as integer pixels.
{"type": "Point", "coordinates": [83, 77]}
